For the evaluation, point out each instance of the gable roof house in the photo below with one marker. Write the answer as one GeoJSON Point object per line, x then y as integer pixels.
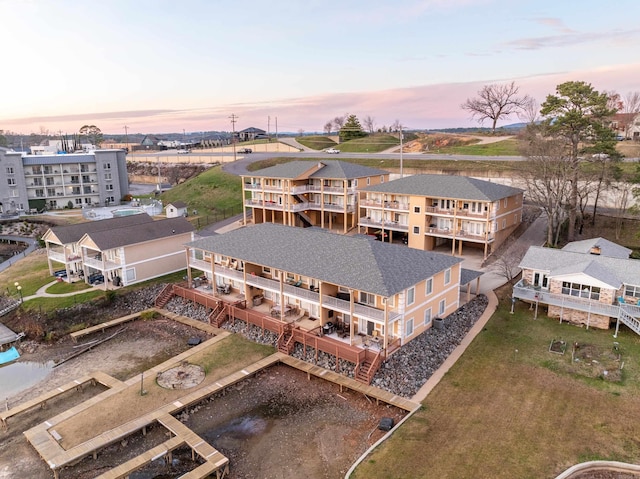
{"type": "Point", "coordinates": [176, 208]}
{"type": "Point", "coordinates": [591, 282]}
{"type": "Point", "coordinates": [251, 133]}
{"type": "Point", "coordinates": [130, 248]}
{"type": "Point", "coordinates": [442, 210]}
{"type": "Point", "coordinates": [349, 296]}
{"type": "Point", "coordinates": [306, 193]}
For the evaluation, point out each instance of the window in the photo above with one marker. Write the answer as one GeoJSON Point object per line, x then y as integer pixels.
{"type": "Point", "coordinates": [581, 290]}
{"type": "Point", "coordinates": [540, 279]}
{"type": "Point", "coordinates": [107, 176]}
{"type": "Point", "coordinates": [130, 274]}
{"type": "Point", "coordinates": [109, 187]}
{"type": "Point", "coordinates": [411, 296]}
{"type": "Point", "coordinates": [632, 291]}
{"type": "Point", "coordinates": [504, 224]}
{"type": "Point", "coordinates": [9, 170]}
{"type": "Point", "coordinates": [51, 192]}
{"type": "Point", "coordinates": [447, 276]}
{"type": "Point", "coordinates": [505, 202]}
{"type": "Point", "coordinates": [429, 287]}
{"type": "Point", "coordinates": [11, 181]}
{"type": "Point", "coordinates": [39, 193]}
{"type": "Point", "coordinates": [381, 179]}
{"type": "Point", "coordinates": [442, 307]}
{"type": "Point", "coordinates": [367, 298]}
{"type": "Point", "coordinates": [408, 331]}
{"type": "Point", "coordinates": [416, 209]}
{"type": "Point", "coordinates": [368, 180]}
{"type": "Point", "coordinates": [266, 270]}
{"type": "Point", "coordinates": [427, 316]}
{"type": "Point", "coordinates": [416, 230]}
{"type": "Point", "coordinates": [78, 201]}
{"type": "Point", "coordinates": [75, 179]}
{"type": "Point", "coordinates": [107, 166]}
{"type": "Point", "coordinates": [355, 182]}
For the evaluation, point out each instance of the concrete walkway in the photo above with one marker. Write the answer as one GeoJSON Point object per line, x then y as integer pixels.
{"type": "Point", "coordinates": [32, 245]}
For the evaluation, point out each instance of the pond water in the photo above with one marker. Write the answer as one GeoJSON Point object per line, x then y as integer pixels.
{"type": "Point", "coordinates": [18, 376]}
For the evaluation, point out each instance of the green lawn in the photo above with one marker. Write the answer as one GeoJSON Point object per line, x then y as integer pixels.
{"type": "Point", "coordinates": [509, 408]}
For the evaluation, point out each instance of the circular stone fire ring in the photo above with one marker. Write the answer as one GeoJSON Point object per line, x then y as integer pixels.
{"type": "Point", "coordinates": [184, 376]}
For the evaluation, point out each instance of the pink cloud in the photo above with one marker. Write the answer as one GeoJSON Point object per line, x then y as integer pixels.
{"type": "Point", "coordinates": [419, 107]}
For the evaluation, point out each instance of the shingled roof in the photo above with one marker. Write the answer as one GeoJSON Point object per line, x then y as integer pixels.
{"type": "Point", "coordinates": [330, 169]}
{"type": "Point", "coordinates": [72, 233]}
{"type": "Point", "coordinates": [612, 271]}
{"type": "Point", "coordinates": [356, 262]}
{"type": "Point", "coordinates": [599, 246]}
{"type": "Point", "coordinates": [140, 233]}
{"type": "Point", "coordinates": [446, 186]}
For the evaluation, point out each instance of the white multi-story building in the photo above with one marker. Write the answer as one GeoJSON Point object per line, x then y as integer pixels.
{"type": "Point", "coordinates": [36, 182]}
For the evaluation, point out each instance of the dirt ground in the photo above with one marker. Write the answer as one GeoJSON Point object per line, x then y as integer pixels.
{"type": "Point", "coordinates": [277, 424]}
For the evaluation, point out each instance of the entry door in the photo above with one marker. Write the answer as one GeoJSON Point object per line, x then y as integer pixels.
{"type": "Point", "coordinates": [540, 279]}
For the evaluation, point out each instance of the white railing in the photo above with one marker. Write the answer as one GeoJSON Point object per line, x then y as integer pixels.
{"type": "Point", "coordinates": [200, 264]}
{"type": "Point", "coordinates": [54, 255]}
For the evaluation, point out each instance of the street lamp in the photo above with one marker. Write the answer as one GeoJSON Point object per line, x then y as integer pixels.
{"type": "Point", "coordinates": [19, 289]}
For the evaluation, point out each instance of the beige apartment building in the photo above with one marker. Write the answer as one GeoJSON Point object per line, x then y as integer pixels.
{"type": "Point", "coordinates": [441, 211]}
{"type": "Point", "coordinates": [307, 193]}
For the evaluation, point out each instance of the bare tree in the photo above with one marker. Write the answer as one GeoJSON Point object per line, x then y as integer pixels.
{"type": "Point", "coordinates": [338, 122]}
{"type": "Point", "coordinates": [395, 126]}
{"type": "Point", "coordinates": [623, 193]}
{"type": "Point", "coordinates": [546, 175]}
{"type": "Point", "coordinates": [494, 102]}
{"type": "Point", "coordinates": [530, 112]}
{"type": "Point", "coordinates": [369, 124]}
{"type": "Point", "coordinates": [507, 264]}
{"type": "Point", "coordinates": [328, 126]}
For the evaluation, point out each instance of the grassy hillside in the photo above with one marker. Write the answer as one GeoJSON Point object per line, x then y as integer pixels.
{"type": "Point", "coordinates": [369, 144]}
{"type": "Point", "coordinates": [212, 193]}
{"type": "Point", "coordinates": [316, 142]}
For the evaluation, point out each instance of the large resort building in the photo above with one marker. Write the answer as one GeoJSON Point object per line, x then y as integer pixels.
{"type": "Point", "coordinates": [306, 193]}
{"type": "Point", "coordinates": [56, 181]}
{"type": "Point", "coordinates": [435, 211]}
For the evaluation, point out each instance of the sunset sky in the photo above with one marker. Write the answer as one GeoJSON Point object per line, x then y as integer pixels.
{"type": "Point", "coordinates": [161, 66]}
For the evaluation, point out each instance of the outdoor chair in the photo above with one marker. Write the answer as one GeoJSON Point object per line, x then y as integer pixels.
{"type": "Point", "coordinates": [621, 300]}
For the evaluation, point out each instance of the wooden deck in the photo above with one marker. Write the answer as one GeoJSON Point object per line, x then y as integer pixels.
{"type": "Point", "coordinates": [6, 335]}
{"type": "Point", "coordinates": [97, 377]}
{"type": "Point", "coordinates": [343, 381]}
{"type": "Point", "coordinates": [107, 324]}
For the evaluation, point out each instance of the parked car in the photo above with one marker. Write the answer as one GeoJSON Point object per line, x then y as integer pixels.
{"type": "Point", "coordinates": [62, 273]}
{"type": "Point", "coordinates": [184, 152]}
{"type": "Point", "coordinates": [245, 150]}
{"type": "Point", "coordinates": [332, 151]}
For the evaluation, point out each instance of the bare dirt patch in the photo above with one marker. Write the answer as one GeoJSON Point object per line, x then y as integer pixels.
{"type": "Point", "coordinates": [277, 424]}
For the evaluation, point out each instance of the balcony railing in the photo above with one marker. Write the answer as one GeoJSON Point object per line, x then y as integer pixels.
{"type": "Point", "coordinates": [201, 264]}
{"type": "Point", "coordinates": [98, 264]}
{"type": "Point", "coordinates": [461, 213]}
{"type": "Point", "coordinates": [359, 310]}
{"type": "Point", "coordinates": [252, 186]}
{"type": "Point", "coordinates": [387, 225]}
{"type": "Point", "coordinates": [461, 234]}
{"type": "Point", "coordinates": [387, 205]}
{"type": "Point", "coordinates": [529, 293]}
{"type": "Point", "coordinates": [56, 256]}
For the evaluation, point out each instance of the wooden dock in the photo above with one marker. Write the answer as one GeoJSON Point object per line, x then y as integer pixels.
{"type": "Point", "coordinates": [345, 382]}
{"type": "Point", "coordinates": [106, 325]}
{"type": "Point", "coordinates": [97, 377]}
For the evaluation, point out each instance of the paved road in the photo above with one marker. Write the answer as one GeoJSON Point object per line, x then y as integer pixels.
{"type": "Point", "coordinates": [32, 245]}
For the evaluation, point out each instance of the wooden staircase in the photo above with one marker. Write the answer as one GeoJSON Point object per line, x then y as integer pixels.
{"type": "Point", "coordinates": [366, 369]}
{"type": "Point", "coordinates": [219, 315]}
{"type": "Point", "coordinates": [165, 295]}
{"type": "Point", "coordinates": [285, 340]}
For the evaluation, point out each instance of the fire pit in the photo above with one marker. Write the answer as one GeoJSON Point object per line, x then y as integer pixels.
{"type": "Point", "coordinates": [184, 376]}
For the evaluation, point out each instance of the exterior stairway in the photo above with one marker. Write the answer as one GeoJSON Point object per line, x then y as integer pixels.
{"type": "Point", "coordinates": [368, 367]}
{"type": "Point", "coordinates": [305, 218]}
{"type": "Point", "coordinates": [285, 340]}
{"type": "Point", "coordinates": [219, 315]}
{"type": "Point", "coordinates": [165, 295]}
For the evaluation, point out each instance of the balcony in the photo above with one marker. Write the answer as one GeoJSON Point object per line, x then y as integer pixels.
{"type": "Point", "coordinates": [56, 256]}
{"type": "Point", "coordinates": [460, 213]}
{"type": "Point", "coordinates": [253, 186]}
{"type": "Point", "coordinates": [99, 265]}
{"type": "Point", "coordinates": [387, 225]}
{"type": "Point", "coordinates": [460, 234]}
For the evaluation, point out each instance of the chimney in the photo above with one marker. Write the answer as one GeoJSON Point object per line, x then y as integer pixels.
{"type": "Point", "coordinates": [595, 250]}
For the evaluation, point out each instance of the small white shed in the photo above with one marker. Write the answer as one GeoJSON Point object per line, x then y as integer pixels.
{"type": "Point", "coordinates": [175, 209]}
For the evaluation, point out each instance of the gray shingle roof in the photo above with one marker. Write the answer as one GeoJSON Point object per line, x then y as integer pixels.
{"type": "Point", "coordinates": [331, 169]}
{"type": "Point", "coordinates": [607, 248]}
{"type": "Point", "coordinates": [72, 233]}
{"type": "Point", "coordinates": [140, 233]}
{"type": "Point", "coordinates": [177, 204]}
{"type": "Point", "coordinates": [446, 186]}
{"type": "Point", "coordinates": [613, 271]}
{"type": "Point", "coordinates": [360, 263]}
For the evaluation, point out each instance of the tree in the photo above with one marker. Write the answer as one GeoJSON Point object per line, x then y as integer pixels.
{"type": "Point", "coordinates": [328, 126]}
{"type": "Point", "coordinates": [369, 123]}
{"type": "Point", "coordinates": [338, 122]}
{"type": "Point", "coordinates": [3, 139]}
{"type": "Point", "coordinates": [395, 126]}
{"type": "Point", "coordinates": [530, 113]}
{"type": "Point", "coordinates": [546, 177]}
{"type": "Point", "coordinates": [93, 134]}
{"type": "Point", "coordinates": [352, 129]}
{"type": "Point", "coordinates": [630, 110]}
{"type": "Point", "coordinates": [578, 114]}
{"type": "Point", "coordinates": [494, 102]}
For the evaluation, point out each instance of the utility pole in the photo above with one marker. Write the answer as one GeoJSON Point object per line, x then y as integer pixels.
{"type": "Point", "coordinates": [126, 136]}
{"type": "Point", "coordinates": [401, 135]}
{"type": "Point", "coordinates": [234, 118]}
{"type": "Point", "coordinates": [269, 127]}
{"type": "Point", "coordinates": [277, 144]}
